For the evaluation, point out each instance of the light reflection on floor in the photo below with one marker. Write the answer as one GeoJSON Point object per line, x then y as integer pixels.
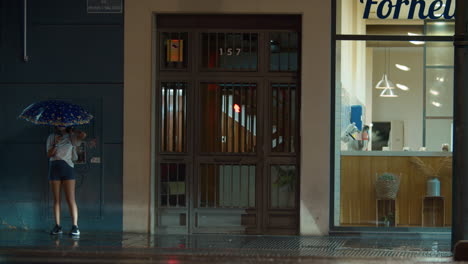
{"type": "Point", "coordinates": [40, 247]}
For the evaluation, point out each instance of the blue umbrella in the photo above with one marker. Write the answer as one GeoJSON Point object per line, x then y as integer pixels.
{"type": "Point", "coordinates": [56, 113]}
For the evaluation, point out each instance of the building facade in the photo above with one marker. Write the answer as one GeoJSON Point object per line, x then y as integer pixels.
{"type": "Point", "coordinates": [256, 117]}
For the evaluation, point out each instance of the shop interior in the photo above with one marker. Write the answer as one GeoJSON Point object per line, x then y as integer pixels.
{"type": "Point", "coordinates": [394, 107]}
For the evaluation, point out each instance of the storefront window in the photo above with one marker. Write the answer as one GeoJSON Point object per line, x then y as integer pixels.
{"type": "Point", "coordinates": [390, 17]}
{"type": "Point", "coordinates": [394, 122]}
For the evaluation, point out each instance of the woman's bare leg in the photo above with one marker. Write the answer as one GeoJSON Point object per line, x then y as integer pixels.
{"type": "Point", "coordinates": [55, 186]}
{"type": "Point", "coordinates": [69, 187]}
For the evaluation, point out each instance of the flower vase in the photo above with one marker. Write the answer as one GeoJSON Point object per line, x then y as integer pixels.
{"type": "Point", "coordinates": [433, 187]}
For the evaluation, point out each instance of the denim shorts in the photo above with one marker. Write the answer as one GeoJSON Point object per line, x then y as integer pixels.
{"type": "Point", "coordinates": [59, 170]}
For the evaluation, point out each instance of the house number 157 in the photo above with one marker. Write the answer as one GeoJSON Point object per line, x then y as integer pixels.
{"type": "Point", "coordinates": [229, 51]}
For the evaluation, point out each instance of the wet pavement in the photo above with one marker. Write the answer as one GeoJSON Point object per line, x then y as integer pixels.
{"type": "Point", "coordinates": [40, 247]}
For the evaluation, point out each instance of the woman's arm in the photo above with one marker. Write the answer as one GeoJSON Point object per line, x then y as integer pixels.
{"type": "Point", "coordinates": [80, 135]}
{"type": "Point", "coordinates": [51, 152]}
{"type": "Point", "coordinates": [52, 145]}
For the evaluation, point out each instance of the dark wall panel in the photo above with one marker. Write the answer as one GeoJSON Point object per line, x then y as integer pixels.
{"type": "Point", "coordinates": [83, 48]}
{"type": "Point", "coordinates": [74, 56]}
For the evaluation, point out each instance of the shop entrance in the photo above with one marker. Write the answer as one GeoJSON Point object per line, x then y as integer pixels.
{"type": "Point", "coordinates": [227, 124]}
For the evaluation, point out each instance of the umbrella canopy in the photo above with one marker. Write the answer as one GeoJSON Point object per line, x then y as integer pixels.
{"type": "Point", "coordinates": [56, 113]}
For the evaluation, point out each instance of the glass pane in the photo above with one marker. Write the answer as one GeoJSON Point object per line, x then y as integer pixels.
{"type": "Point", "coordinates": [439, 54]}
{"type": "Point", "coordinates": [391, 141]}
{"type": "Point", "coordinates": [173, 117]}
{"type": "Point", "coordinates": [226, 186]}
{"type": "Point", "coordinates": [174, 50]}
{"type": "Point", "coordinates": [229, 51]}
{"type": "Point", "coordinates": [439, 134]}
{"type": "Point", "coordinates": [172, 185]}
{"type": "Point", "coordinates": [283, 117]}
{"type": "Point", "coordinates": [283, 186]}
{"type": "Point", "coordinates": [439, 95]}
{"type": "Point", "coordinates": [229, 117]}
{"type": "Point", "coordinates": [394, 17]}
{"type": "Point", "coordinates": [283, 51]}
{"type": "Point", "coordinates": [439, 28]}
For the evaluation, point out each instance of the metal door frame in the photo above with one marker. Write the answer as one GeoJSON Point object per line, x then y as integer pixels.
{"type": "Point", "coordinates": [194, 75]}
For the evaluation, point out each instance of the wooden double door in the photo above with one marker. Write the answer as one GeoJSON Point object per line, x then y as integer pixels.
{"type": "Point", "coordinates": [227, 124]}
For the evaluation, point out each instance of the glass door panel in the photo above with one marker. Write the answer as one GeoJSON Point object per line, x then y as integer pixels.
{"type": "Point", "coordinates": [283, 51]}
{"type": "Point", "coordinates": [283, 118]}
{"type": "Point", "coordinates": [174, 50]}
{"type": "Point", "coordinates": [229, 117]}
{"type": "Point", "coordinates": [226, 197]}
{"type": "Point", "coordinates": [173, 117]}
{"type": "Point", "coordinates": [172, 197]}
{"type": "Point", "coordinates": [226, 186]}
{"type": "Point", "coordinates": [229, 51]}
{"type": "Point", "coordinates": [172, 185]}
{"type": "Point", "coordinates": [283, 186]}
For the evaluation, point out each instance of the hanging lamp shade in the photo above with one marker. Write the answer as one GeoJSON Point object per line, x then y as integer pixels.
{"type": "Point", "coordinates": [388, 92]}
{"type": "Point", "coordinates": [385, 83]}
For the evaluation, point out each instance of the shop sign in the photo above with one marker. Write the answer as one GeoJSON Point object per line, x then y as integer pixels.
{"type": "Point", "coordinates": [427, 9]}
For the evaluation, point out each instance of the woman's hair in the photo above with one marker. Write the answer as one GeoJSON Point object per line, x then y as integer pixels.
{"type": "Point", "coordinates": [58, 132]}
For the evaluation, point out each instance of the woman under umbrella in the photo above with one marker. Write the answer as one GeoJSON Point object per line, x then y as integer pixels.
{"type": "Point", "coordinates": [60, 146]}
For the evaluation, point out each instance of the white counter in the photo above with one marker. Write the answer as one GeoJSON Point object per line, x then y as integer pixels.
{"type": "Point", "coordinates": [397, 153]}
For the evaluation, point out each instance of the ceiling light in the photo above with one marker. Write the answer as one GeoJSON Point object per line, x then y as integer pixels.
{"type": "Point", "coordinates": [385, 83]}
{"type": "Point", "coordinates": [415, 42]}
{"type": "Point", "coordinates": [436, 104]}
{"type": "Point", "coordinates": [402, 87]}
{"type": "Point", "coordinates": [402, 67]}
{"type": "Point", "coordinates": [434, 92]}
{"type": "Point", "coordinates": [388, 92]}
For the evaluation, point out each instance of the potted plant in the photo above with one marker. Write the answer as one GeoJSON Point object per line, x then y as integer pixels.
{"type": "Point", "coordinates": [287, 179]}
{"type": "Point", "coordinates": [387, 185]}
{"type": "Point", "coordinates": [432, 173]}
{"type": "Point", "coordinates": [388, 220]}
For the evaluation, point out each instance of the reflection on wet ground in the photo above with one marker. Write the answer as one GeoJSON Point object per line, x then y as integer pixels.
{"type": "Point", "coordinates": [40, 247]}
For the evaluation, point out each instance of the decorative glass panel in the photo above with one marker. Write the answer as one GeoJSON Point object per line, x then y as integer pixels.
{"type": "Point", "coordinates": [226, 186]}
{"type": "Point", "coordinates": [229, 51]}
{"type": "Point", "coordinates": [439, 92]}
{"type": "Point", "coordinates": [439, 54]}
{"type": "Point", "coordinates": [174, 117]}
{"type": "Point", "coordinates": [283, 117]}
{"type": "Point", "coordinates": [439, 134]}
{"type": "Point", "coordinates": [174, 50]}
{"type": "Point", "coordinates": [172, 184]}
{"type": "Point", "coordinates": [283, 186]}
{"type": "Point", "coordinates": [229, 117]}
{"type": "Point", "coordinates": [283, 51]}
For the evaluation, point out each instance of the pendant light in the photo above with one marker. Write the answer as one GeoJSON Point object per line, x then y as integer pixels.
{"type": "Point", "coordinates": [388, 92]}
{"type": "Point", "coordinates": [385, 83]}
